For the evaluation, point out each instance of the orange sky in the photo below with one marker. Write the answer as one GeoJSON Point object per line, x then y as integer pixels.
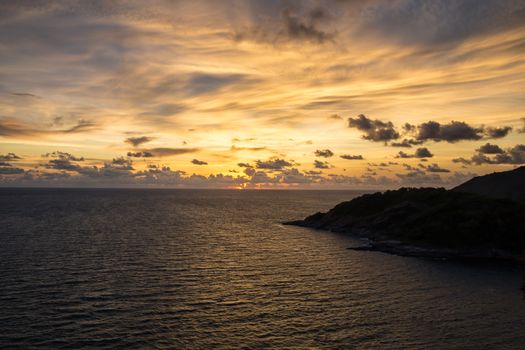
{"type": "Point", "coordinates": [253, 93]}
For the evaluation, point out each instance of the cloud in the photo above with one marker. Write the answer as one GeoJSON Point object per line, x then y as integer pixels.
{"type": "Point", "coordinates": [63, 156]}
{"type": "Point", "coordinates": [441, 23]}
{"type": "Point", "coordinates": [434, 168]}
{"type": "Point", "coordinates": [420, 153]}
{"type": "Point", "coordinates": [9, 157]}
{"type": "Point", "coordinates": [81, 126]}
{"type": "Point", "coordinates": [351, 157]}
{"type": "Point", "coordinates": [253, 149]}
{"type": "Point", "coordinates": [458, 131]}
{"type": "Point", "coordinates": [14, 128]}
{"type": "Point", "coordinates": [497, 132]}
{"type": "Point", "coordinates": [325, 153]}
{"type": "Point", "coordinates": [198, 162]}
{"type": "Point", "coordinates": [375, 130]}
{"type": "Point", "coordinates": [407, 143]}
{"type": "Point", "coordinates": [462, 160]}
{"type": "Point", "coordinates": [321, 165]}
{"type": "Point", "coordinates": [514, 155]}
{"type": "Point", "coordinates": [419, 178]}
{"type": "Point", "coordinates": [165, 110]}
{"type": "Point", "coordinates": [248, 139]}
{"type": "Point", "coordinates": [272, 164]}
{"type": "Point", "coordinates": [244, 165]}
{"type": "Point", "coordinates": [167, 151]}
{"type": "Point", "coordinates": [300, 29]}
{"type": "Point", "coordinates": [122, 163]}
{"type": "Point", "coordinates": [63, 164]}
{"type": "Point", "coordinates": [451, 132]}
{"type": "Point", "coordinates": [136, 141]}
{"type": "Point", "coordinates": [144, 154]}
{"type": "Point", "coordinates": [250, 171]}
{"type": "Point", "coordinates": [205, 83]}
{"type": "Point", "coordinates": [292, 26]}
{"type": "Point", "coordinates": [489, 148]}
{"type": "Point", "coordinates": [8, 170]}
{"type": "Point", "coordinates": [23, 94]}
{"type": "Point", "coordinates": [522, 130]}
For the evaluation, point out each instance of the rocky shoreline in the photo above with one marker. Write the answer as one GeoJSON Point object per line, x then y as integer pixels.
{"type": "Point", "coordinates": [429, 223]}
{"type": "Point", "coordinates": [399, 248]}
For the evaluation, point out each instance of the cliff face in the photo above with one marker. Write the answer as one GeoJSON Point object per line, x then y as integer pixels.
{"type": "Point", "coordinates": [507, 184]}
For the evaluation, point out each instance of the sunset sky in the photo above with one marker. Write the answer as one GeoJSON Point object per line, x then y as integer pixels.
{"type": "Point", "coordinates": [260, 94]}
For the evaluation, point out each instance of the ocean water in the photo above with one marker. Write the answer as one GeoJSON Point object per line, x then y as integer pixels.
{"type": "Point", "coordinates": [209, 269]}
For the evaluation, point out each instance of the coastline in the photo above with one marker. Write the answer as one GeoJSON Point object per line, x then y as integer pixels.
{"type": "Point", "coordinates": [382, 244]}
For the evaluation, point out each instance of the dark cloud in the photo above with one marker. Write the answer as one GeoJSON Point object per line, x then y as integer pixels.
{"type": "Point", "coordinates": [457, 131]}
{"type": "Point", "coordinates": [244, 165]}
{"type": "Point", "coordinates": [321, 165]}
{"type": "Point", "coordinates": [198, 162]}
{"type": "Point", "coordinates": [167, 151]}
{"type": "Point", "coordinates": [439, 22]}
{"type": "Point", "coordinates": [9, 157]}
{"type": "Point", "coordinates": [423, 153]}
{"type": "Point", "coordinates": [408, 143]}
{"type": "Point", "coordinates": [136, 141]}
{"type": "Point", "coordinates": [325, 153]}
{"type": "Point", "coordinates": [462, 160]}
{"type": "Point", "coordinates": [122, 163]}
{"type": "Point", "coordinates": [63, 156]}
{"type": "Point", "coordinates": [272, 164]}
{"type": "Point", "coordinates": [351, 157]}
{"type": "Point", "coordinates": [81, 126]}
{"type": "Point", "coordinates": [420, 153]}
{"type": "Point", "coordinates": [24, 94]}
{"type": "Point", "coordinates": [434, 168]}
{"type": "Point", "coordinates": [497, 132]}
{"type": "Point", "coordinates": [8, 170]}
{"type": "Point", "coordinates": [144, 154]}
{"type": "Point", "coordinates": [63, 164]}
{"type": "Point", "coordinates": [254, 149]}
{"type": "Point", "coordinates": [375, 130]}
{"type": "Point", "coordinates": [451, 132]}
{"type": "Point", "coordinates": [335, 117]}
{"type": "Point", "coordinates": [514, 155]}
{"type": "Point", "coordinates": [292, 26]}
{"type": "Point", "coordinates": [205, 83]}
{"type": "Point", "coordinates": [489, 148]}
{"type": "Point", "coordinates": [313, 172]}
{"type": "Point", "coordinates": [298, 28]}
{"type": "Point", "coordinates": [13, 128]}
{"type": "Point", "coordinates": [249, 171]}
{"type": "Point", "coordinates": [419, 177]}
{"type": "Point", "coordinates": [493, 154]}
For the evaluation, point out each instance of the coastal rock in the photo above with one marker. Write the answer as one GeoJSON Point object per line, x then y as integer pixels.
{"type": "Point", "coordinates": [431, 222]}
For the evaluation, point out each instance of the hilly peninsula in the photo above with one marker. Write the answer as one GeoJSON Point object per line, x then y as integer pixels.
{"type": "Point", "coordinates": [481, 219]}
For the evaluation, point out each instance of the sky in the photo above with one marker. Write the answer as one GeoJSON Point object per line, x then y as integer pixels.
{"type": "Point", "coordinates": [262, 94]}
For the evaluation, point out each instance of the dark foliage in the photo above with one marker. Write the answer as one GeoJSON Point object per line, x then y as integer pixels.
{"type": "Point", "coordinates": [430, 216]}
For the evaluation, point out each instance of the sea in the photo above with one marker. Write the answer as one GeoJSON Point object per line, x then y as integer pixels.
{"type": "Point", "coordinates": [216, 269]}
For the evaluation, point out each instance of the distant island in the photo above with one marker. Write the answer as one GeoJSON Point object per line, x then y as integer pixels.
{"type": "Point", "coordinates": [483, 218]}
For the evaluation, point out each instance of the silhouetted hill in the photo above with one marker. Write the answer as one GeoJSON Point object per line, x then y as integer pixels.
{"type": "Point", "coordinates": [506, 184]}
{"type": "Point", "coordinates": [431, 222]}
